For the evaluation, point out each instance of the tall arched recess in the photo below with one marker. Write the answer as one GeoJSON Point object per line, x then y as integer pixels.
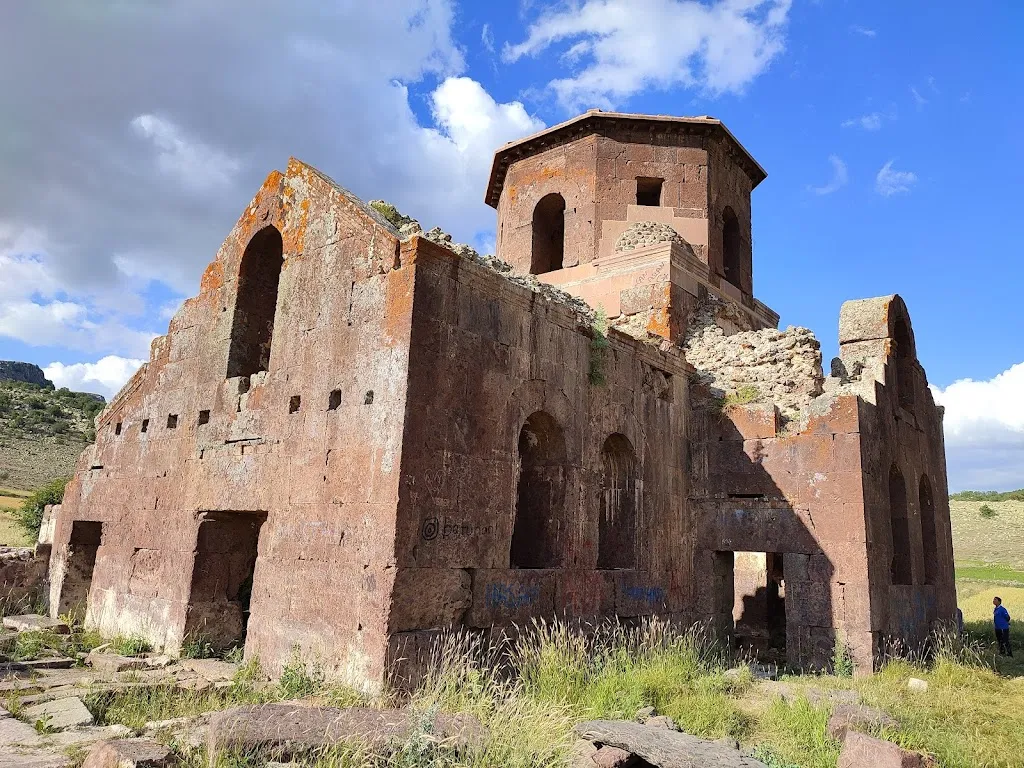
{"type": "Point", "coordinates": [540, 494]}
{"type": "Point", "coordinates": [252, 328]}
{"type": "Point", "coordinates": [928, 536]}
{"type": "Point", "coordinates": [902, 565]}
{"type": "Point", "coordinates": [732, 248]}
{"type": "Point", "coordinates": [619, 504]}
{"type": "Point", "coordinates": [904, 363]}
{"type": "Point", "coordinates": [548, 235]}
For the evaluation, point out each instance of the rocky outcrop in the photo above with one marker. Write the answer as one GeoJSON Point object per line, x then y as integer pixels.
{"type": "Point", "coordinates": [24, 372]}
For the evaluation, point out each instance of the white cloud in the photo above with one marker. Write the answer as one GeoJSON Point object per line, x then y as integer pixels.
{"type": "Point", "coordinates": [866, 31]}
{"type": "Point", "coordinates": [626, 46]}
{"type": "Point", "coordinates": [839, 177]}
{"type": "Point", "coordinates": [191, 162]}
{"type": "Point", "coordinates": [984, 430]}
{"type": "Point", "coordinates": [487, 37]}
{"type": "Point", "coordinates": [889, 182]}
{"type": "Point", "coordinates": [918, 98]}
{"type": "Point", "coordinates": [104, 377]}
{"type": "Point", "coordinates": [872, 122]}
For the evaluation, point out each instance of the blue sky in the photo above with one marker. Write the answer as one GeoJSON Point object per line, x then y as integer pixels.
{"type": "Point", "coordinates": [888, 130]}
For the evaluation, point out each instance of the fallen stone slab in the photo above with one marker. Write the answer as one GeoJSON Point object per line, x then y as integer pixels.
{"type": "Point", "coordinates": [112, 663]}
{"type": "Point", "coordinates": [863, 751]}
{"type": "Point", "coordinates": [613, 757]}
{"type": "Point", "coordinates": [60, 714]}
{"type": "Point", "coordinates": [816, 697]}
{"type": "Point", "coordinates": [858, 717]}
{"type": "Point", "coordinates": [35, 665]}
{"type": "Point", "coordinates": [129, 753]}
{"type": "Point", "coordinates": [917, 685]}
{"type": "Point", "coordinates": [288, 729]}
{"type": "Point", "coordinates": [33, 758]}
{"type": "Point", "coordinates": [34, 622]}
{"type": "Point", "coordinates": [191, 731]}
{"type": "Point", "coordinates": [665, 748]}
{"type": "Point", "coordinates": [83, 737]}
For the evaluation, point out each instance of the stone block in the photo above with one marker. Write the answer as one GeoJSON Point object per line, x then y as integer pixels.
{"type": "Point", "coordinates": [429, 598]}
{"type": "Point", "coordinates": [863, 751]}
{"type": "Point", "coordinates": [849, 716]}
{"type": "Point", "coordinates": [60, 714]}
{"type": "Point", "coordinates": [112, 663]}
{"type": "Point", "coordinates": [130, 753]}
{"type": "Point", "coordinates": [33, 622]}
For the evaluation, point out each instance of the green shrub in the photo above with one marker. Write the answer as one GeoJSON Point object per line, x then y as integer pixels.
{"type": "Point", "coordinates": [842, 661]}
{"type": "Point", "coordinates": [29, 516]}
{"type": "Point", "coordinates": [987, 512]}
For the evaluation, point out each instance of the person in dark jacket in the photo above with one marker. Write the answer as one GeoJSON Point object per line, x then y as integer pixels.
{"type": "Point", "coordinates": [1001, 618]}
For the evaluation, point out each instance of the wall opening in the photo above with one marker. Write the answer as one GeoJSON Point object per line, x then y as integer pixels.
{"type": "Point", "coordinates": [540, 494]}
{"type": "Point", "coordinates": [252, 328]}
{"type": "Point", "coordinates": [117, 428]}
{"type": "Point", "coordinates": [620, 492]}
{"type": "Point", "coordinates": [172, 421]}
{"type": "Point", "coordinates": [81, 562]}
{"type": "Point", "coordinates": [145, 425]}
{"type": "Point", "coordinates": [648, 191]}
{"type": "Point", "coordinates": [732, 248]}
{"type": "Point", "coordinates": [904, 363]}
{"type": "Point", "coordinates": [759, 607]}
{"type": "Point", "coordinates": [294, 403]}
{"type": "Point", "coordinates": [928, 537]}
{"type": "Point", "coordinates": [204, 418]}
{"type": "Point", "coordinates": [227, 549]}
{"type": "Point", "coordinates": [334, 401]}
{"type": "Point", "coordinates": [901, 567]}
{"type": "Point", "coordinates": [548, 235]}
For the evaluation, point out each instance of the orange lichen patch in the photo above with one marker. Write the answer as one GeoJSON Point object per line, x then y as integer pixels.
{"type": "Point", "coordinates": [661, 322]}
{"type": "Point", "coordinates": [213, 278]}
{"type": "Point", "coordinates": [398, 301]}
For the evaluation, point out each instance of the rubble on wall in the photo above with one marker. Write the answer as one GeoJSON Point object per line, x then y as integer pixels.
{"type": "Point", "coordinates": [784, 366]}
{"type": "Point", "coordinates": [644, 233]}
{"type": "Point", "coordinates": [409, 227]}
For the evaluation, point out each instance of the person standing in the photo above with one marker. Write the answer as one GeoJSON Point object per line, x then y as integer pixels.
{"type": "Point", "coordinates": [1001, 618]}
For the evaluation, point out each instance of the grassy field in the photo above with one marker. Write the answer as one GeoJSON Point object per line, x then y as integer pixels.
{"type": "Point", "coordinates": [10, 534]}
{"type": "Point", "coordinates": [997, 540]}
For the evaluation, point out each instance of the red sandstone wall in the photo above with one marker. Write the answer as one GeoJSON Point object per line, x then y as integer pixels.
{"type": "Point", "coordinates": [327, 479]}
{"type": "Point", "coordinates": [486, 354]}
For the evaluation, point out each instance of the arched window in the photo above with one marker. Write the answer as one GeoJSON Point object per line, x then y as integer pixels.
{"type": "Point", "coordinates": [252, 327]}
{"type": "Point", "coordinates": [904, 363]}
{"type": "Point", "coordinates": [540, 495]}
{"type": "Point", "coordinates": [928, 537]}
{"type": "Point", "coordinates": [548, 235]}
{"type": "Point", "coordinates": [732, 247]}
{"type": "Point", "coordinates": [902, 565]}
{"type": "Point", "coordinates": [619, 502]}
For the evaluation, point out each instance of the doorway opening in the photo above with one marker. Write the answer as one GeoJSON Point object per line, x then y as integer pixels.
{"type": "Point", "coordinates": [81, 562]}
{"type": "Point", "coordinates": [759, 605]}
{"type": "Point", "coordinates": [227, 549]}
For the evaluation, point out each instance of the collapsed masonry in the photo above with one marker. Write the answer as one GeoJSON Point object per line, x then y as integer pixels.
{"type": "Point", "coordinates": [358, 434]}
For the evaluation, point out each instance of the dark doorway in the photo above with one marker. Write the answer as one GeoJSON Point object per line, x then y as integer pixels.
{"type": "Point", "coordinates": [732, 248]}
{"type": "Point", "coordinates": [252, 328]}
{"type": "Point", "coordinates": [928, 537]}
{"type": "Point", "coordinates": [79, 566]}
{"type": "Point", "coordinates": [619, 492]}
{"type": "Point", "coordinates": [759, 610]}
{"type": "Point", "coordinates": [548, 235]}
{"type": "Point", "coordinates": [227, 548]}
{"type": "Point", "coordinates": [648, 191]}
{"type": "Point", "coordinates": [901, 567]}
{"type": "Point", "coordinates": [540, 494]}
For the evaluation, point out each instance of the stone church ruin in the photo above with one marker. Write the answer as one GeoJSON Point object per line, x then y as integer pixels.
{"type": "Point", "coordinates": [357, 434]}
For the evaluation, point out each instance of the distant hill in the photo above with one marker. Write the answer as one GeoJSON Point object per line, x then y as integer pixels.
{"type": "Point", "coordinates": [42, 429]}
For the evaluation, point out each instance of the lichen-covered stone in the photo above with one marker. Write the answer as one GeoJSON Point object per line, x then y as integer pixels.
{"type": "Point", "coordinates": [645, 233]}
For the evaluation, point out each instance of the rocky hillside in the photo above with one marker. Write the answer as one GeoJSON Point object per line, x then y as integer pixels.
{"type": "Point", "coordinates": [42, 429]}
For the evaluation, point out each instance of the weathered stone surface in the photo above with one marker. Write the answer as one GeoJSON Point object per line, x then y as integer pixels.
{"type": "Point", "coordinates": [31, 622]}
{"type": "Point", "coordinates": [857, 717]}
{"type": "Point", "coordinates": [289, 728]}
{"type": "Point", "coordinates": [643, 233]}
{"type": "Point", "coordinates": [917, 685]}
{"type": "Point", "coordinates": [14, 731]}
{"type": "Point", "coordinates": [863, 751]}
{"type": "Point", "coordinates": [664, 748]}
{"type": "Point", "coordinates": [60, 714]}
{"type": "Point", "coordinates": [112, 663]}
{"type": "Point", "coordinates": [210, 669]}
{"type": "Point", "coordinates": [130, 753]}
{"type": "Point", "coordinates": [613, 757]}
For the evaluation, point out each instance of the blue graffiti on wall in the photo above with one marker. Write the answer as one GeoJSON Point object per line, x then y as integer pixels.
{"type": "Point", "coordinates": [511, 596]}
{"type": "Point", "coordinates": [649, 595]}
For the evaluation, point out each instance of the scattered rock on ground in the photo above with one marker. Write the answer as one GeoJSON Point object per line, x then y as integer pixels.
{"type": "Point", "coordinates": [863, 751]}
{"type": "Point", "coordinates": [664, 748]}
{"type": "Point", "coordinates": [130, 753]}
{"type": "Point", "coordinates": [846, 717]}
{"type": "Point", "coordinates": [112, 663]}
{"type": "Point", "coordinates": [288, 727]}
{"type": "Point", "coordinates": [36, 664]}
{"type": "Point", "coordinates": [210, 669]}
{"type": "Point", "coordinates": [613, 757]}
{"type": "Point", "coordinates": [917, 685]}
{"type": "Point", "coordinates": [643, 713]}
{"type": "Point", "coordinates": [31, 622]}
{"type": "Point", "coordinates": [60, 714]}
